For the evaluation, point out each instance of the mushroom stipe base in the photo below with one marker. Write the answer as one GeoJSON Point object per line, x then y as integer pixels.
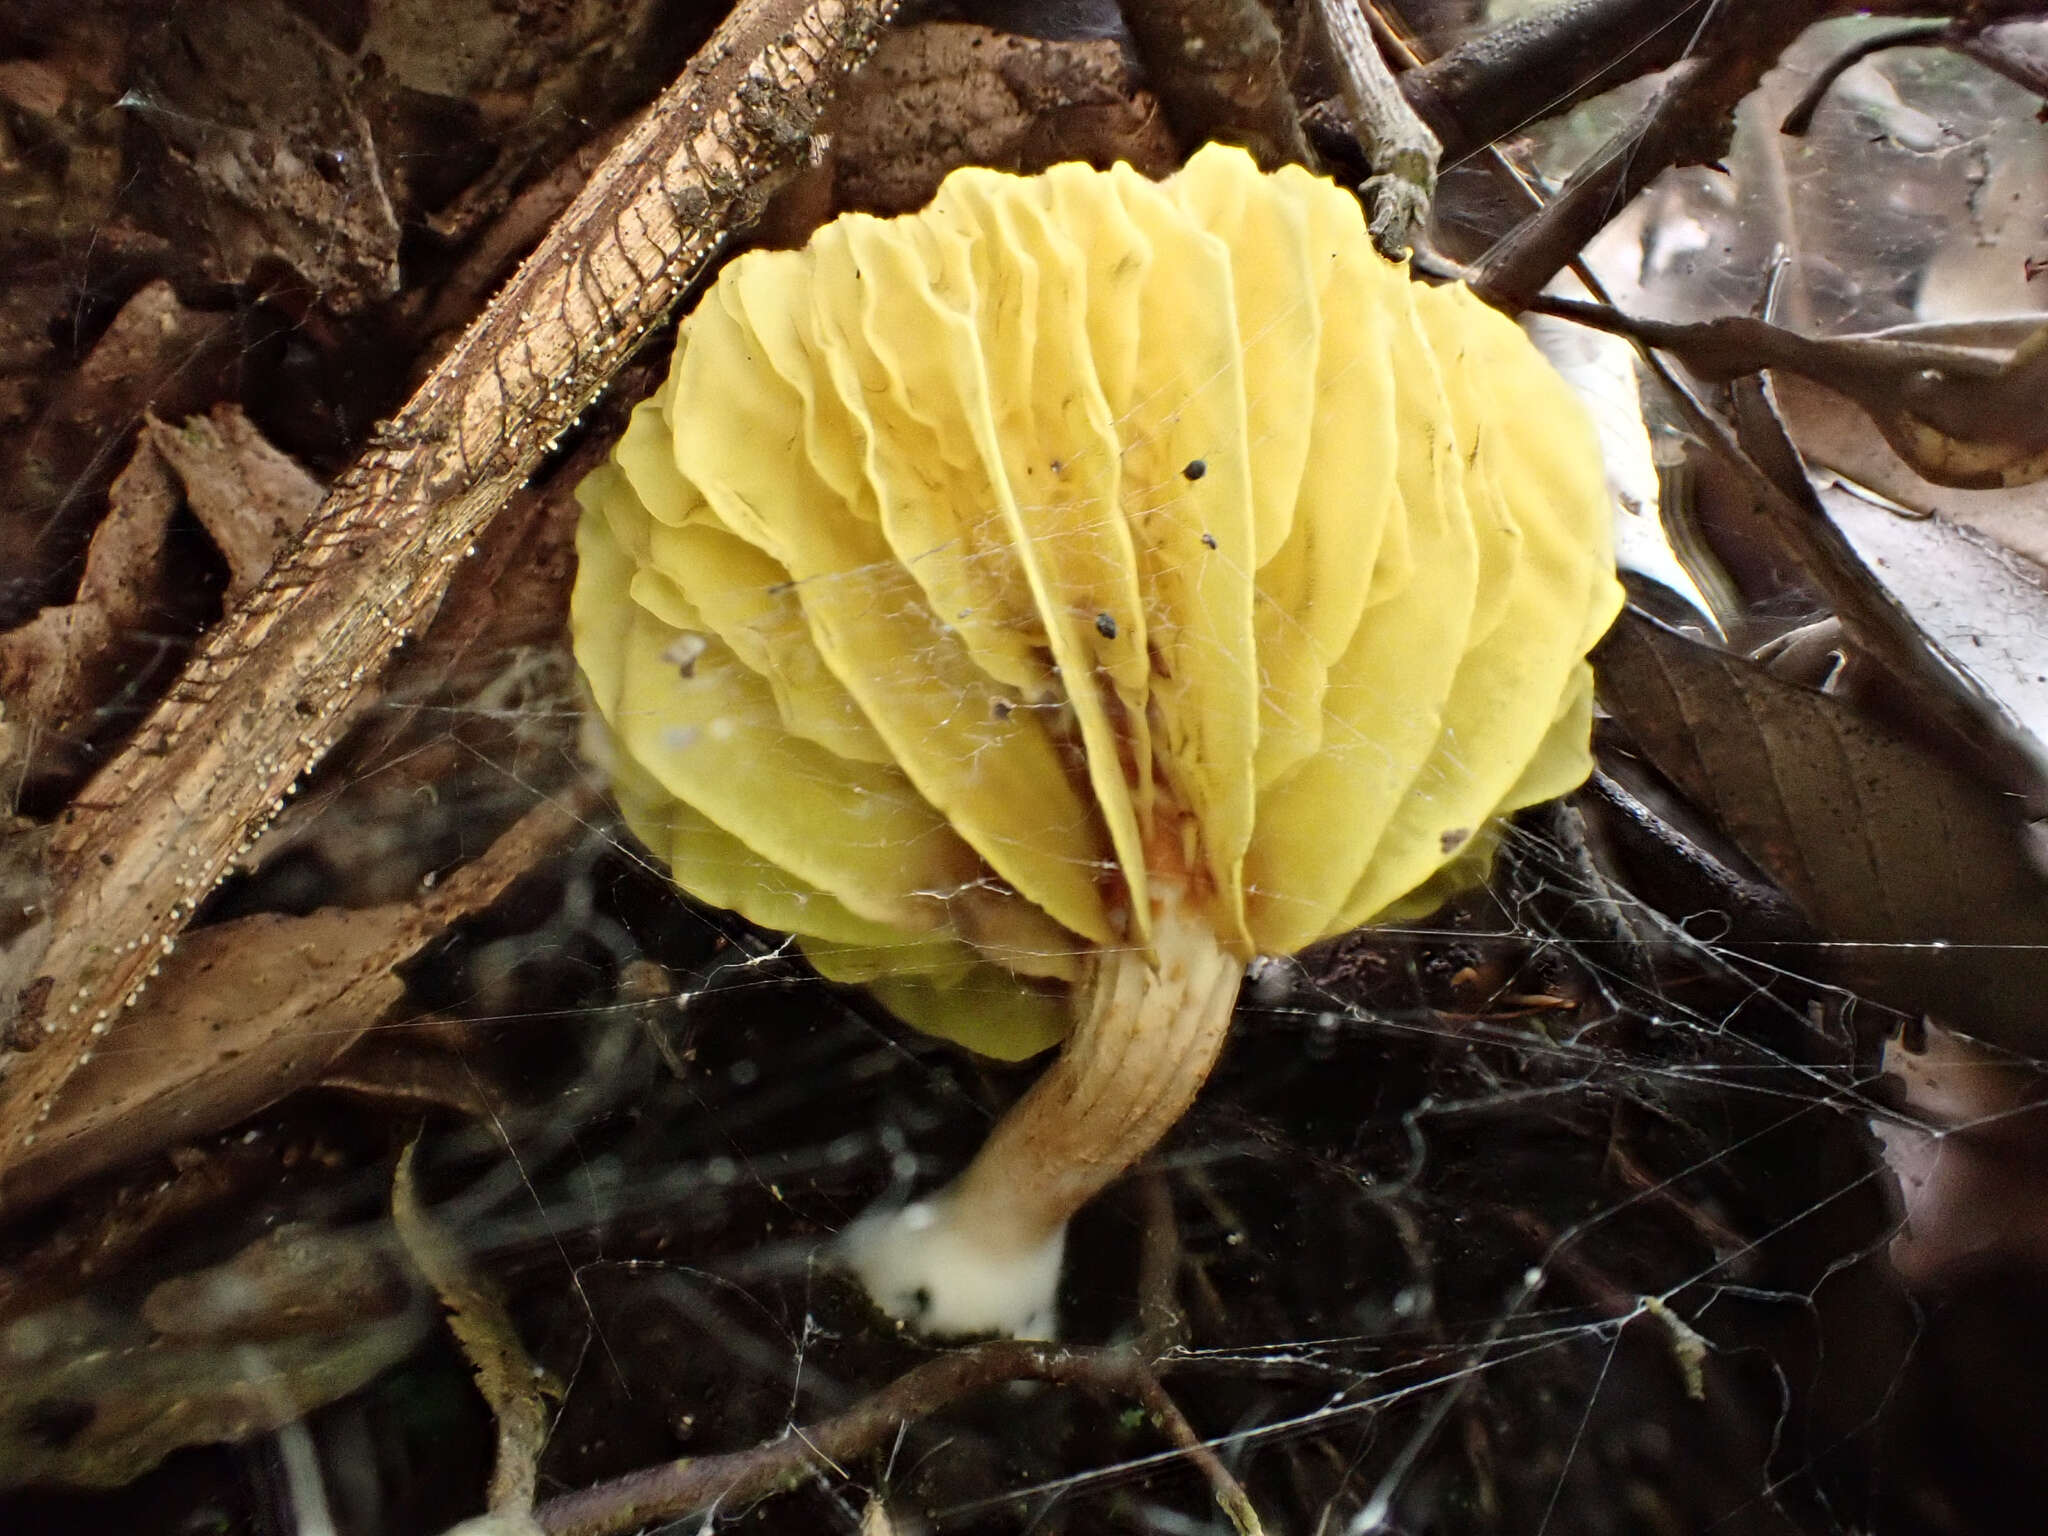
{"type": "Point", "coordinates": [983, 1254]}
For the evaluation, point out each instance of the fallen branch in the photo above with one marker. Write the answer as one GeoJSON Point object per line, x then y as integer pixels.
{"type": "Point", "coordinates": [1513, 74]}
{"type": "Point", "coordinates": [281, 678]}
{"type": "Point", "coordinates": [1551, 60]}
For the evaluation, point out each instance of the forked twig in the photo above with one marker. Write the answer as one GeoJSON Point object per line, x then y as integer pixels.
{"type": "Point", "coordinates": [279, 680]}
{"type": "Point", "coordinates": [695, 1483]}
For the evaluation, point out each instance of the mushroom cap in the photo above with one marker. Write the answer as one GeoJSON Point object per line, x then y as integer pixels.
{"type": "Point", "coordinates": [973, 567]}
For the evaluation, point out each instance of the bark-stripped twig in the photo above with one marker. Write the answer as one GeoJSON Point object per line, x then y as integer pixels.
{"type": "Point", "coordinates": [1398, 145]}
{"type": "Point", "coordinates": [281, 678]}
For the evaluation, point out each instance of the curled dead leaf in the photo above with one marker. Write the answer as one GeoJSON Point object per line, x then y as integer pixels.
{"type": "Point", "coordinates": [251, 498]}
{"type": "Point", "coordinates": [62, 670]}
{"type": "Point", "coordinates": [1833, 434]}
{"type": "Point", "coordinates": [293, 1322]}
{"type": "Point", "coordinates": [62, 666]}
{"type": "Point", "coordinates": [158, 354]}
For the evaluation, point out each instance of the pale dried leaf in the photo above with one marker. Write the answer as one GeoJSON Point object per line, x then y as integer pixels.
{"type": "Point", "coordinates": [135, 1398]}
{"type": "Point", "coordinates": [1983, 604]}
{"type": "Point", "coordinates": [1832, 433]}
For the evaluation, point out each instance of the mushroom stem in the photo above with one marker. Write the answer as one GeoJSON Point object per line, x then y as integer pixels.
{"type": "Point", "coordinates": [983, 1254]}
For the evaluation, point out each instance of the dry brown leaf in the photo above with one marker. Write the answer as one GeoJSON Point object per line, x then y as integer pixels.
{"type": "Point", "coordinates": [296, 1319]}
{"type": "Point", "coordinates": [60, 176]}
{"type": "Point", "coordinates": [1972, 1187]}
{"type": "Point", "coordinates": [400, 1073]}
{"type": "Point", "coordinates": [293, 1279]}
{"type": "Point", "coordinates": [265, 159]}
{"type": "Point", "coordinates": [246, 1011]}
{"type": "Point", "coordinates": [59, 668]}
{"type": "Point", "coordinates": [95, 1241]}
{"type": "Point", "coordinates": [251, 498]}
{"type": "Point", "coordinates": [156, 354]}
{"type": "Point", "coordinates": [1921, 875]}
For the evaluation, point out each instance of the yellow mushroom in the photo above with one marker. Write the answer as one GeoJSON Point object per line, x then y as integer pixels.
{"type": "Point", "coordinates": [1044, 603]}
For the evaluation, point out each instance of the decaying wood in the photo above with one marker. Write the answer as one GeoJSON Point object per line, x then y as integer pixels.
{"type": "Point", "coordinates": [944, 94]}
{"type": "Point", "coordinates": [280, 679]}
{"type": "Point", "coordinates": [1218, 69]}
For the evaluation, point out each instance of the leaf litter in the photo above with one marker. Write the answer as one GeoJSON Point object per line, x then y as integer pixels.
{"type": "Point", "coordinates": [1511, 1221]}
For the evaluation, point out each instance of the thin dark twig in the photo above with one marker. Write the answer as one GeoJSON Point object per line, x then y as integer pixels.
{"type": "Point", "coordinates": [1164, 1324]}
{"type": "Point", "coordinates": [1513, 273]}
{"type": "Point", "coordinates": [1995, 50]}
{"type": "Point", "coordinates": [694, 1483]}
{"type": "Point", "coordinates": [1929, 32]}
